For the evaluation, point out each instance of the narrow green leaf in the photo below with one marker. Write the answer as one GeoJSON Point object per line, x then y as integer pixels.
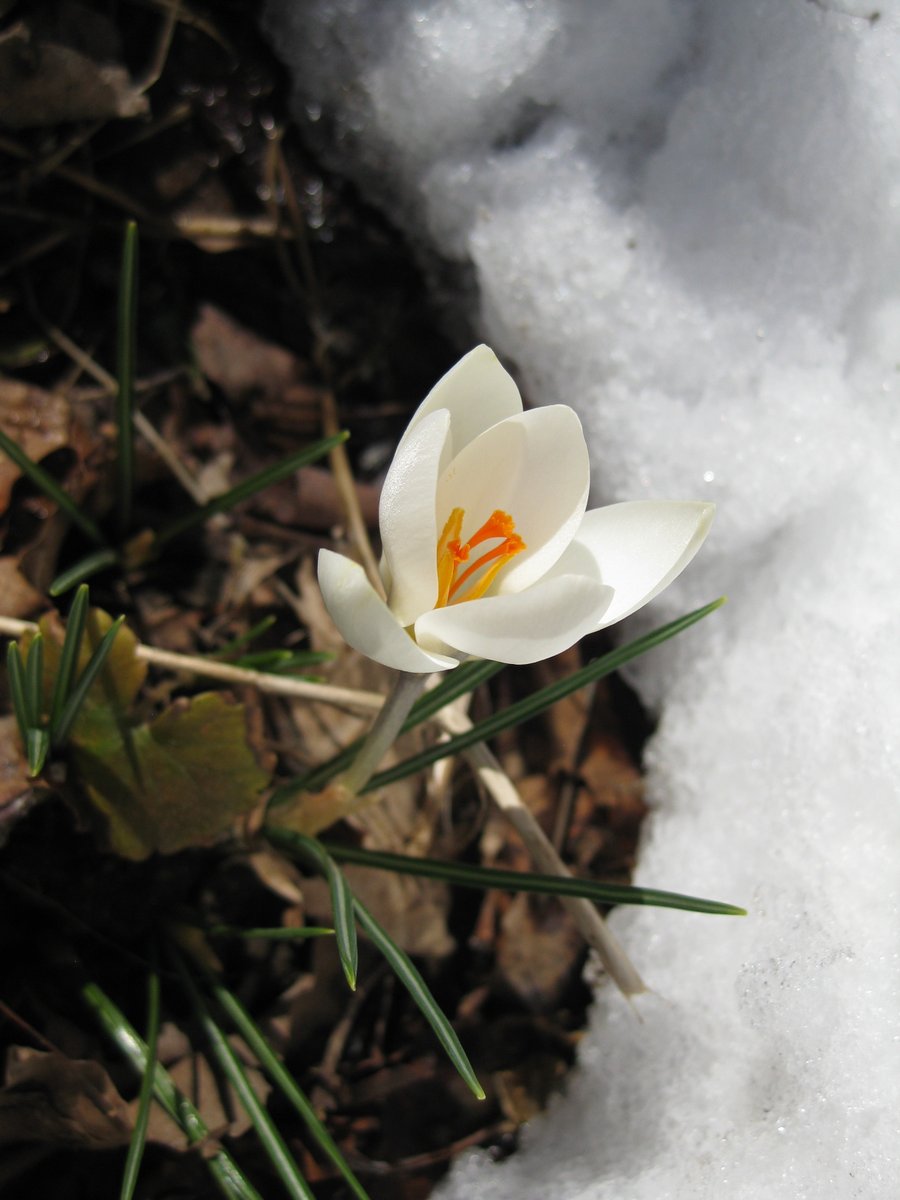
{"type": "Point", "coordinates": [249, 487]}
{"type": "Point", "coordinates": [273, 934]}
{"type": "Point", "coordinates": [48, 485]}
{"type": "Point", "coordinates": [341, 902]}
{"type": "Point", "coordinates": [15, 674]}
{"type": "Point", "coordinates": [233, 1070]}
{"type": "Point", "coordinates": [37, 743]}
{"type": "Point", "coordinates": [34, 681]}
{"type": "Point", "coordinates": [126, 341]}
{"type": "Point", "coordinates": [68, 658]}
{"type": "Point", "coordinates": [244, 639]}
{"type": "Point", "coordinates": [225, 1171]}
{"type": "Point", "coordinates": [85, 568]}
{"type": "Point", "coordinates": [255, 1039]}
{"type": "Point", "coordinates": [402, 966]}
{"type": "Point", "coordinates": [81, 688]}
{"type": "Point", "coordinates": [142, 1119]}
{"type": "Point", "coordinates": [467, 875]}
{"type": "Point", "coordinates": [525, 709]}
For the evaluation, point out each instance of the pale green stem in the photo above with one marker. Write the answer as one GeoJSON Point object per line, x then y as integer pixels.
{"type": "Point", "coordinates": [387, 725]}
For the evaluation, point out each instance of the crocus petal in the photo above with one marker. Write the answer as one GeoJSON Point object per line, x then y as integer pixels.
{"type": "Point", "coordinates": [407, 519]}
{"type": "Point", "coordinates": [523, 628]}
{"type": "Point", "coordinates": [637, 547]}
{"type": "Point", "coordinates": [477, 393]}
{"type": "Point", "coordinates": [366, 622]}
{"type": "Point", "coordinates": [533, 466]}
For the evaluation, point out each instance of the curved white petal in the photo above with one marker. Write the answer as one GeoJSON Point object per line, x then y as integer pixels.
{"type": "Point", "coordinates": [406, 516]}
{"type": "Point", "coordinates": [637, 548]}
{"type": "Point", "coordinates": [522, 628]}
{"type": "Point", "coordinates": [533, 466]}
{"type": "Point", "coordinates": [366, 622]}
{"type": "Point", "coordinates": [477, 392]}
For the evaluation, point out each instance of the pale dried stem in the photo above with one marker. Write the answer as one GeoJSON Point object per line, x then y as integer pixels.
{"type": "Point", "coordinates": [588, 920]}
{"type": "Point", "coordinates": [205, 668]}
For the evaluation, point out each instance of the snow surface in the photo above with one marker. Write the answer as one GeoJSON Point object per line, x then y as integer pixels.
{"type": "Point", "coordinates": [683, 218]}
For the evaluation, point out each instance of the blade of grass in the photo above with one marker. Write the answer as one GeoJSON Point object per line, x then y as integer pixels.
{"type": "Point", "coordinates": [402, 966]}
{"type": "Point", "coordinates": [243, 639]}
{"type": "Point", "coordinates": [91, 564]}
{"type": "Point", "coordinates": [255, 1039]}
{"type": "Point", "coordinates": [224, 1170]}
{"type": "Point", "coordinates": [48, 485]}
{"type": "Point", "coordinates": [81, 688]}
{"type": "Point", "coordinates": [34, 681]}
{"type": "Point", "coordinates": [15, 674]}
{"type": "Point", "coordinates": [467, 875]}
{"type": "Point", "coordinates": [142, 1119]}
{"type": "Point", "coordinates": [126, 339]}
{"type": "Point", "coordinates": [342, 902]}
{"type": "Point", "coordinates": [232, 1069]}
{"type": "Point", "coordinates": [68, 658]}
{"type": "Point", "coordinates": [37, 744]}
{"type": "Point", "coordinates": [536, 703]}
{"type": "Point", "coordinates": [243, 491]}
{"type": "Point", "coordinates": [273, 934]}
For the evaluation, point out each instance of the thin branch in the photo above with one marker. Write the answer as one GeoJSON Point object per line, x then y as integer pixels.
{"type": "Point", "coordinates": [503, 792]}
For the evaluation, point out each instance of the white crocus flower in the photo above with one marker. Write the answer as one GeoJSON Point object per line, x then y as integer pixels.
{"type": "Point", "coordinates": [488, 549]}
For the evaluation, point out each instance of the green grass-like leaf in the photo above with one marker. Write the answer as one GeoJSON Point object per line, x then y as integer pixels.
{"type": "Point", "coordinates": [85, 568]}
{"type": "Point", "coordinates": [403, 968]}
{"type": "Point", "coordinates": [68, 659]}
{"type": "Point", "coordinates": [536, 703]}
{"type": "Point", "coordinates": [341, 903]}
{"type": "Point", "coordinates": [276, 1071]}
{"type": "Point", "coordinates": [142, 1119]}
{"type": "Point", "coordinates": [126, 342]}
{"type": "Point", "coordinates": [467, 875]}
{"type": "Point", "coordinates": [15, 674]}
{"type": "Point", "coordinates": [80, 690]}
{"type": "Point", "coordinates": [34, 682]}
{"type": "Point", "coordinates": [277, 933]}
{"type": "Point", "coordinates": [250, 487]}
{"type": "Point", "coordinates": [48, 485]}
{"type": "Point", "coordinates": [231, 1180]}
{"type": "Point", "coordinates": [232, 1069]}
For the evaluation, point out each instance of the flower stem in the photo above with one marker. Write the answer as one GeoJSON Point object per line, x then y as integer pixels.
{"type": "Point", "coordinates": [385, 728]}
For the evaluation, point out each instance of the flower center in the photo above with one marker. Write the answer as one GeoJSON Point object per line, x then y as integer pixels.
{"type": "Point", "coordinates": [475, 580]}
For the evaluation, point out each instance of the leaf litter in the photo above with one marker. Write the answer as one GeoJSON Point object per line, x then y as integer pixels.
{"type": "Point", "coordinates": [139, 824]}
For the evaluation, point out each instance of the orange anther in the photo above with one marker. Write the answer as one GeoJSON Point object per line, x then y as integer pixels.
{"type": "Point", "coordinates": [451, 552]}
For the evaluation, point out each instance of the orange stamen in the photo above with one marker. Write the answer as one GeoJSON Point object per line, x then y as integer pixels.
{"type": "Point", "coordinates": [451, 552]}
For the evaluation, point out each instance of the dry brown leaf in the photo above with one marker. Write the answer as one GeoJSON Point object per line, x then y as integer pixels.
{"type": "Point", "coordinates": [36, 420]}
{"type": "Point", "coordinates": [60, 1101]}
{"type": "Point", "coordinates": [19, 598]}
{"type": "Point", "coordinates": [18, 791]}
{"type": "Point", "coordinates": [59, 65]}
{"type": "Point", "coordinates": [537, 950]}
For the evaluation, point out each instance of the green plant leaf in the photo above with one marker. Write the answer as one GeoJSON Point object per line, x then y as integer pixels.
{"type": "Point", "coordinates": [34, 682]}
{"type": "Point", "coordinates": [78, 693]}
{"type": "Point", "coordinates": [48, 485]}
{"type": "Point", "coordinates": [91, 564]}
{"type": "Point", "coordinates": [68, 660]}
{"type": "Point", "coordinates": [275, 933]}
{"type": "Point", "coordinates": [180, 781]}
{"type": "Point", "coordinates": [255, 1039]}
{"type": "Point", "coordinates": [536, 703]}
{"type": "Point", "coordinates": [341, 902]}
{"type": "Point", "coordinates": [273, 1143]}
{"type": "Point", "coordinates": [15, 673]}
{"type": "Point", "coordinates": [37, 744]}
{"type": "Point", "coordinates": [142, 1119]}
{"type": "Point", "coordinates": [231, 1180]}
{"type": "Point", "coordinates": [402, 966]}
{"type": "Point", "coordinates": [250, 487]}
{"type": "Point", "coordinates": [467, 875]}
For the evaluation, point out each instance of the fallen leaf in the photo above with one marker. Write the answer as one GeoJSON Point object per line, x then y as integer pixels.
{"type": "Point", "coordinates": [36, 420]}
{"type": "Point", "coordinates": [59, 65]}
{"type": "Point", "coordinates": [538, 949]}
{"type": "Point", "coordinates": [60, 1101]}
{"type": "Point", "coordinates": [178, 781]}
{"type": "Point", "coordinates": [18, 791]}
{"type": "Point", "coordinates": [20, 599]}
